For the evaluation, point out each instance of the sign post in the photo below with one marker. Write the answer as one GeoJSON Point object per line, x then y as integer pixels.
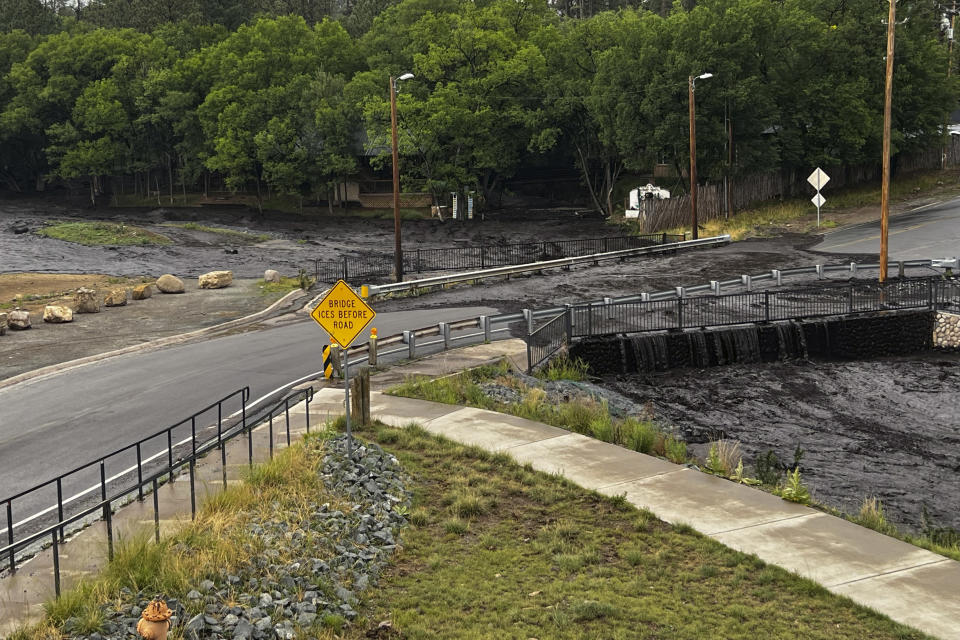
{"type": "Point", "coordinates": [343, 314]}
{"type": "Point", "coordinates": [818, 179]}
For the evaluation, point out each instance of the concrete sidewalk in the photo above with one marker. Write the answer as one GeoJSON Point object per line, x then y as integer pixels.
{"type": "Point", "coordinates": [912, 586]}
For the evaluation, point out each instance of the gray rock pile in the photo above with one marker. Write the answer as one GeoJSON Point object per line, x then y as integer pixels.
{"type": "Point", "coordinates": [309, 570]}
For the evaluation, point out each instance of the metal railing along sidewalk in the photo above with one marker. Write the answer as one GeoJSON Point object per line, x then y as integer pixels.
{"type": "Point", "coordinates": [142, 479]}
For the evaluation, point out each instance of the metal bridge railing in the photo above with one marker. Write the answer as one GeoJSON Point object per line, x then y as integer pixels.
{"type": "Point", "coordinates": [481, 256]}
{"type": "Point", "coordinates": [756, 306]}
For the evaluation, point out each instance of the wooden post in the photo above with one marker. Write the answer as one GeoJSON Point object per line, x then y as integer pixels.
{"type": "Point", "coordinates": [360, 397]}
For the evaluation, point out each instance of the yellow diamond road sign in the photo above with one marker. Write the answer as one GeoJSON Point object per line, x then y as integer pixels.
{"type": "Point", "coordinates": [343, 314]}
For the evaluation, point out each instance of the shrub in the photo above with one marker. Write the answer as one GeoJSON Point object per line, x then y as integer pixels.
{"type": "Point", "coordinates": [769, 469]}
{"type": "Point", "coordinates": [638, 435]}
{"type": "Point", "coordinates": [793, 488]}
{"type": "Point", "coordinates": [563, 368]}
{"type": "Point", "coordinates": [675, 450]}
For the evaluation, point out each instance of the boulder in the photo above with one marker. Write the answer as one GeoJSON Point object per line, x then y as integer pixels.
{"type": "Point", "coordinates": [57, 314]}
{"type": "Point", "coordinates": [142, 292]}
{"type": "Point", "coordinates": [3, 324]}
{"type": "Point", "coordinates": [271, 276]}
{"type": "Point", "coordinates": [169, 284]}
{"type": "Point", "coordinates": [19, 319]}
{"type": "Point", "coordinates": [216, 279]}
{"type": "Point", "coordinates": [116, 297]}
{"type": "Point", "coordinates": [86, 300]}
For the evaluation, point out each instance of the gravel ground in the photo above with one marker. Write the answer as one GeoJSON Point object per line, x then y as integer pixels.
{"type": "Point", "coordinates": [328, 560]}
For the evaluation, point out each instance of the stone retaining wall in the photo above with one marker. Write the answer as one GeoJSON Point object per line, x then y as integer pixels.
{"type": "Point", "coordinates": [946, 331]}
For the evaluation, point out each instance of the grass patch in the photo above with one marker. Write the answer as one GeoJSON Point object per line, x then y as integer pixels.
{"type": "Point", "coordinates": [286, 285]}
{"type": "Point", "coordinates": [103, 233]}
{"type": "Point", "coordinates": [580, 566]}
{"type": "Point", "coordinates": [582, 414]}
{"type": "Point", "coordinates": [233, 234]}
{"type": "Point", "coordinates": [563, 368]}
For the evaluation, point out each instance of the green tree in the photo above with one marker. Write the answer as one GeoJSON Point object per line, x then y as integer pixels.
{"type": "Point", "coordinates": [262, 75]}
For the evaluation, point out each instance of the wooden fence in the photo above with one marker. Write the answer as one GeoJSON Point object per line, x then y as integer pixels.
{"type": "Point", "coordinates": [659, 215]}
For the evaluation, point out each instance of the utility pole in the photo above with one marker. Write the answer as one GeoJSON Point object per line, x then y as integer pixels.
{"type": "Point", "coordinates": [885, 172]}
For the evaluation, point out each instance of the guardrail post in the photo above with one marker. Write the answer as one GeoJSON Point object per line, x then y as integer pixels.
{"type": "Point", "coordinates": [777, 276]}
{"type": "Point", "coordinates": [372, 351]}
{"type": "Point", "coordinates": [747, 281]}
{"type": "Point", "coordinates": [528, 316]}
{"type": "Point", "coordinates": [900, 268]}
{"type": "Point", "coordinates": [410, 337]}
{"type": "Point", "coordinates": [644, 297]}
{"type": "Point", "coordinates": [485, 327]}
{"type": "Point", "coordinates": [663, 239]}
{"type": "Point", "coordinates": [819, 269]}
{"type": "Point", "coordinates": [680, 313]}
{"type": "Point", "coordinates": [681, 292]}
{"type": "Point", "coordinates": [445, 332]}
{"type": "Point", "coordinates": [715, 287]}
{"type": "Point", "coordinates": [568, 322]}
{"type": "Point", "coordinates": [853, 268]}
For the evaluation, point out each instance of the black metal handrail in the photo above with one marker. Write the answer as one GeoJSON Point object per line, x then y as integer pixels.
{"type": "Point", "coordinates": [197, 449]}
{"type": "Point", "coordinates": [756, 306]}
{"type": "Point", "coordinates": [480, 256]}
{"type": "Point", "coordinates": [714, 310]}
{"type": "Point", "coordinates": [549, 338]}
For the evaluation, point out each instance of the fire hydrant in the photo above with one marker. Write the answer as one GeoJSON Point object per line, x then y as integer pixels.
{"type": "Point", "coordinates": [155, 620]}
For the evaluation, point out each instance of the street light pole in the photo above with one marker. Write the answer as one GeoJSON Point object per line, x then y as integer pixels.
{"type": "Point", "coordinates": [885, 171]}
{"type": "Point", "coordinates": [397, 250]}
{"type": "Point", "coordinates": [692, 81]}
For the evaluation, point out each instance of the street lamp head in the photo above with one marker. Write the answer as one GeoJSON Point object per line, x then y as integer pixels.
{"type": "Point", "coordinates": [405, 76]}
{"type": "Point", "coordinates": [704, 76]}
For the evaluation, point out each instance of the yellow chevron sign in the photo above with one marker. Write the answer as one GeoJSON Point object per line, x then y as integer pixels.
{"type": "Point", "coordinates": [327, 362]}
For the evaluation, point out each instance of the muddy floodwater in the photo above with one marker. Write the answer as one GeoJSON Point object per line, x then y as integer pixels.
{"type": "Point", "coordinates": [884, 428]}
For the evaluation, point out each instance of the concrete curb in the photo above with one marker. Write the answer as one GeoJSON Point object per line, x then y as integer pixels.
{"type": "Point", "coordinates": [146, 346]}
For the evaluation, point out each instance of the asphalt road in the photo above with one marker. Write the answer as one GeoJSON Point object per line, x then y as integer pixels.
{"type": "Point", "coordinates": [53, 424]}
{"type": "Point", "coordinates": [930, 231]}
